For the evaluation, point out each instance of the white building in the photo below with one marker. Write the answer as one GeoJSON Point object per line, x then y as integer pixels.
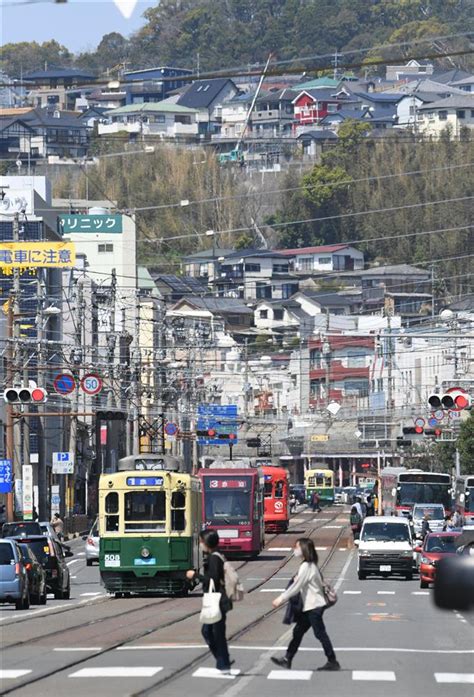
{"type": "Point", "coordinates": [160, 118]}
{"type": "Point", "coordinates": [330, 257]}
{"type": "Point", "coordinates": [456, 112]}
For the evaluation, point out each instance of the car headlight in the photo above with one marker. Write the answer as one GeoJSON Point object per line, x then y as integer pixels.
{"type": "Point", "coordinates": [364, 553]}
{"type": "Point", "coordinates": [407, 553]}
{"type": "Point", "coordinates": [425, 560]}
{"type": "Point", "coordinates": [145, 553]}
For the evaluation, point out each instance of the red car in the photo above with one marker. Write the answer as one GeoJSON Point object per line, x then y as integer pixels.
{"type": "Point", "coordinates": [436, 546]}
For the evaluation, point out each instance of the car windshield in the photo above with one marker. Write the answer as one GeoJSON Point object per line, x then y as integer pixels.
{"type": "Point", "coordinates": [442, 544]}
{"type": "Point", "coordinates": [17, 529]}
{"type": "Point", "coordinates": [432, 513]}
{"type": "Point", "coordinates": [40, 549]}
{"type": "Point", "coordinates": [6, 554]}
{"type": "Point", "coordinates": [411, 493]}
{"type": "Point", "coordinates": [385, 532]}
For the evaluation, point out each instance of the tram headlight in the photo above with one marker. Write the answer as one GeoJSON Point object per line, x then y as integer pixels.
{"type": "Point", "coordinates": [145, 553]}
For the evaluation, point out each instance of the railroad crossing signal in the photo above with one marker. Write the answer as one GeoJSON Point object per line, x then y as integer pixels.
{"type": "Point", "coordinates": [25, 395]}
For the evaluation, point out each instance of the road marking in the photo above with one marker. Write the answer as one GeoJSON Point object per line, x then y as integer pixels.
{"type": "Point", "coordinates": [465, 678]}
{"type": "Point", "coordinates": [341, 578]}
{"type": "Point", "coordinates": [78, 648]}
{"type": "Point", "coordinates": [420, 592]}
{"type": "Point", "coordinates": [320, 549]}
{"type": "Point", "coordinates": [117, 672]}
{"type": "Point", "coordinates": [290, 675]}
{"type": "Point", "coordinates": [74, 561]}
{"type": "Point", "coordinates": [379, 675]}
{"type": "Point", "coordinates": [12, 674]}
{"type": "Point", "coordinates": [385, 592]}
{"type": "Point", "coordinates": [159, 647]}
{"type": "Point", "coordinates": [272, 590]}
{"type": "Point", "coordinates": [214, 673]}
{"type": "Point", "coordinates": [280, 549]}
{"type": "Point", "coordinates": [90, 595]}
{"type": "Point", "coordinates": [346, 649]}
{"type": "Point", "coordinates": [81, 554]}
{"type": "Point", "coordinates": [297, 520]}
{"type": "Point", "coordinates": [352, 592]}
{"type": "Point", "coordinates": [343, 549]}
{"type": "Point", "coordinates": [332, 527]}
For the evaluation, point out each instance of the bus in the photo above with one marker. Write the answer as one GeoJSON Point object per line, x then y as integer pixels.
{"type": "Point", "coordinates": [322, 481]}
{"type": "Point", "coordinates": [276, 498]}
{"type": "Point", "coordinates": [402, 488]}
{"type": "Point", "coordinates": [232, 504]}
{"type": "Point", "coordinates": [465, 498]}
{"type": "Point", "coordinates": [149, 523]}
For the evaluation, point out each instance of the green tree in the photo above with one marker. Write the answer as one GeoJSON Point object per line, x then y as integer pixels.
{"type": "Point", "coordinates": [465, 445]}
{"type": "Point", "coordinates": [19, 58]}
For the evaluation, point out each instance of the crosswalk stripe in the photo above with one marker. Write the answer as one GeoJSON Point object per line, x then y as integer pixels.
{"type": "Point", "coordinates": [117, 672]}
{"type": "Point", "coordinates": [214, 673]}
{"type": "Point", "coordinates": [352, 592]}
{"type": "Point", "coordinates": [385, 592]}
{"type": "Point", "coordinates": [420, 592]}
{"type": "Point", "coordinates": [272, 590]}
{"type": "Point", "coordinates": [290, 675]}
{"type": "Point", "coordinates": [281, 549]}
{"type": "Point", "coordinates": [320, 549]}
{"type": "Point", "coordinates": [465, 678]}
{"type": "Point", "coordinates": [373, 675]}
{"type": "Point", "coordinates": [12, 674]}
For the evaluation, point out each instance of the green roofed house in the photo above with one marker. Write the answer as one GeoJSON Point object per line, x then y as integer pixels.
{"type": "Point", "coordinates": [317, 83]}
{"type": "Point", "coordinates": [158, 118]}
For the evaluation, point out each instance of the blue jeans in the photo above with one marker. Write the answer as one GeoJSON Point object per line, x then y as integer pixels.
{"type": "Point", "coordinates": [314, 619]}
{"type": "Point", "coordinates": [214, 636]}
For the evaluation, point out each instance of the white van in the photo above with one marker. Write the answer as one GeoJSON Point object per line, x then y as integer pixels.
{"type": "Point", "coordinates": [385, 547]}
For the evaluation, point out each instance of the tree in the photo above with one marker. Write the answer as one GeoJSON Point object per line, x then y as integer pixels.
{"type": "Point", "coordinates": [465, 445]}
{"type": "Point", "coordinates": [26, 56]}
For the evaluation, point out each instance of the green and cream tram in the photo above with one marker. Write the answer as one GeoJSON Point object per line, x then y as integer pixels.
{"type": "Point", "coordinates": [149, 523]}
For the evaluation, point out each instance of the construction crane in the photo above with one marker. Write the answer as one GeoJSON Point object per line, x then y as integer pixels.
{"type": "Point", "coordinates": [236, 155]}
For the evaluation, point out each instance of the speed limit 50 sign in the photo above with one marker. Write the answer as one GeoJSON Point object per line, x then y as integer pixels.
{"type": "Point", "coordinates": [91, 383]}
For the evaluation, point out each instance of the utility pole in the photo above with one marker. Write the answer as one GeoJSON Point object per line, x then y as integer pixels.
{"type": "Point", "coordinates": [78, 352]}
{"type": "Point", "coordinates": [111, 339]}
{"type": "Point", "coordinates": [16, 373]}
{"type": "Point", "coordinates": [43, 507]}
{"type": "Point", "coordinates": [136, 379]}
{"type": "Point", "coordinates": [10, 449]}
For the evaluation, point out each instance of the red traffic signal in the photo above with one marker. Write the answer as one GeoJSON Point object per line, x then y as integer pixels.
{"type": "Point", "coordinates": [25, 395]}
{"type": "Point", "coordinates": [232, 436]}
{"type": "Point", "coordinates": [437, 432]}
{"type": "Point", "coordinates": [455, 398]}
{"type": "Point", "coordinates": [419, 429]}
{"type": "Point", "coordinates": [211, 433]}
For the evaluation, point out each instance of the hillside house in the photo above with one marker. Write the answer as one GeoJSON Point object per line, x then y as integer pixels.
{"type": "Point", "coordinates": [324, 258]}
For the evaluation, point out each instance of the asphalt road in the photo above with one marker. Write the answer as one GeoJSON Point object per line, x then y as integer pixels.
{"type": "Point", "coordinates": [388, 635]}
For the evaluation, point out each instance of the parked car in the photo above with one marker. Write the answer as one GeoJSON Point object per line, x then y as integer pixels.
{"type": "Point", "coordinates": [51, 556]}
{"type": "Point", "coordinates": [436, 514]}
{"type": "Point", "coordinates": [338, 495]}
{"type": "Point", "coordinates": [22, 528]}
{"type": "Point", "coordinates": [385, 547]}
{"type": "Point", "coordinates": [348, 494]}
{"type": "Point", "coordinates": [92, 544]}
{"type": "Point", "coordinates": [435, 546]}
{"type": "Point", "coordinates": [13, 576]}
{"type": "Point", "coordinates": [36, 576]}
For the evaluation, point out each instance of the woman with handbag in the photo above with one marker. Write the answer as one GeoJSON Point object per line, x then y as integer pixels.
{"type": "Point", "coordinates": [213, 615]}
{"type": "Point", "coordinates": [316, 597]}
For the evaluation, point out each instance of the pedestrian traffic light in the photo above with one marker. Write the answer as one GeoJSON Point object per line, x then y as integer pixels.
{"type": "Point", "coordinates": [25, 395]}
{"type": "Point", "coordinates": [454, 399]}
{"type": "Point", "coordinates": [111, 416]}
{"type": "Point", "coordinates": [254, 442]}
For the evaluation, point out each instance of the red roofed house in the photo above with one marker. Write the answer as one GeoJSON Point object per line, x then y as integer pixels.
{"type": "Point", "coordinates": [313, 105]}
{"type": "Point", "coordinates": [329, 257]}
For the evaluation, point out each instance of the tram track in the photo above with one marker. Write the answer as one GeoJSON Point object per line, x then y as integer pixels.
{"type": "Point", "coordinates": [163, 625]}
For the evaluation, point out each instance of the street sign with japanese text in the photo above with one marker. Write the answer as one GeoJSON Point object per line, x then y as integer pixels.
{"type": "Point", "coordinates": [63, 463]}
{"type": "Point", "coordinates": [6, 476]}
{"type": "Point", "coordinates": [28, 492]}
{"type": "Point", "coordinates": [319, 437]}
{"type": "Point", "coordinates": [24, 255]}
{"type": "Point", "coordinates": [91, 223]}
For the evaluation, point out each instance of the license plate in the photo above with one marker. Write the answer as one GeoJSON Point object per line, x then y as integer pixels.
{"type": "Point", "coordinates": [228, 534]}
{"type": "Point", "coordinates": [385, 567]}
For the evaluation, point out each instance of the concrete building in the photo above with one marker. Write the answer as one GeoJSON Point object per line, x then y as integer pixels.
{"type": "Point", "coordinates": [330, 257]}
{"type": "Point", "coordinates": [454, 113]}
{"type": "Point", "coordinates": [150, 118]}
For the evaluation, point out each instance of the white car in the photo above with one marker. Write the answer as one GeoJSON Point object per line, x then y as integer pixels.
{"type": "Point", "coordinates": [92, 544]}
{"type": "Point", "coordinates": [436, 514]}
{"type": "Point", "coordinates": [385, 547]}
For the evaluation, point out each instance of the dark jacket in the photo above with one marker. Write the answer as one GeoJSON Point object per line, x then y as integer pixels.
{"type": "Point", "coordinates": [213, 568]}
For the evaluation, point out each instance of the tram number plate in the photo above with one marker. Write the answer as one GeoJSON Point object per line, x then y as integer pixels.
{"type": "Point", "coordinates": [228, 534]}
{"type": "Point", "coordinates": [385, 567]}
{"type": "Point", "coordinates": [144, 562]}
{"type": "Point", "coordinates": [111, 559]}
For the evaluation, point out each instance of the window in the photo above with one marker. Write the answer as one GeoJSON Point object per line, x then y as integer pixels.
{"type": "Point", "coordinates": [159, 118]}
{"type": "Point", "coordinates": [280, 268]}
{"type": "Point", "coordinates": [358, 387]}
{"type": "Point", "coordinates": [461, 113]}
{"type": "Point", "coordinates": [145, 510]}
{"type": "Point", "coordinates": [178, 505]}
{"type": "Point", "coordinates": [111, 512]}
{"type": "Point", "coordinates": [263, 291]}
{"type": "Point", "coordinates": [288, 289]}
{"type": "Point", "coordinates": [253, 267]}
{"type": "Point", "coordinates": [106, 248]}
{"type": "Point", "coordinates": [332, 108]}
{"type": "Point", "coordinates": [315, 358]}
{"type": "Point", "coordinates": [305, 264]}
{"type": "Point", "coordinates": [356, 357]}
{"type": "Point", "coordinates": [472, 113]}
{"type": "Point", "coordinates": [443, 115]}
{"type": "Point", "coordinates": [278, 314]}
{"type": "Point", "coordinates": [324, 260]}
{"type": "Point", "coordinates": [263, 314]}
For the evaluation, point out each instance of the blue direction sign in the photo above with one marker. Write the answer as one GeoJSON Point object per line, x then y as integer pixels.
{"type": "Point", "coordinates": [217, 424]}
{"type": "Point", "coordinates": [6, 477]}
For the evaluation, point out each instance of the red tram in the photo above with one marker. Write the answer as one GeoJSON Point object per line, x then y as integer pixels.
{"type": "Point", "coordinates": [233, 505]}
{"type": "Point", "coordinates": [276, 497]}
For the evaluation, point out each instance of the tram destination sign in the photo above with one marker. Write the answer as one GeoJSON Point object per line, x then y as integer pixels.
{"type": "Point", "coordinates": [144, 481]}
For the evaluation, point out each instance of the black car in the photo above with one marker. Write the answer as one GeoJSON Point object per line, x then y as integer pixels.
{"type": "Point", "coordinates": [22, 528]}
{"type": "Point", "coordinates": [51, 556]}
{"type": "Point", "coordinates": [36, 575]}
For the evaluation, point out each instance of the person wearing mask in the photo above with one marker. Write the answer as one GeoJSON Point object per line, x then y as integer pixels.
{"type": "Point", "coordinates": [213, 569]}
{"type": "Point", "coordinates": [58, 525]}
{"type": "Point", "coordinates": [310, 584]}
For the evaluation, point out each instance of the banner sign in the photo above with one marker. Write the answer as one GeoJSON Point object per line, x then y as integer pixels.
{"type": "Point", "coordinates": [24, 255]}
{"type": "Point", "coordinates": [6, 476]}
{"type": "Point", "coordinates": [27, 492]}
{"type": "Point", "coordinates": [91, 223]}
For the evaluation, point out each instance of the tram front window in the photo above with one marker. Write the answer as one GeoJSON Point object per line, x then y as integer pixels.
{"type": "Point", "coordinates": [228, 507]}
{"type": "Point", "coordinates": [145, 511]}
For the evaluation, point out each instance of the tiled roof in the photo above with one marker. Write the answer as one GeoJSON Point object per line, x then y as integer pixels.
{"type": "Point", "coordinates": [150, 108]}
{"type": "Point", "coordinates": [314, 250]}
{"type": "Point", "coordinates": [455, 102]}
{"type": "Point", "coordinates": [203, 92]}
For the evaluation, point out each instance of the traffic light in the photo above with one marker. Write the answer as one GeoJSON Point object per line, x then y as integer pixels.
{"type": "Point", "coordinates": [111, 416]}
{"type": "Point", "coordinates": [254, 442]}
{"type": "Point", "coordinates": [25, 395]}
{"type": "Point", "coordinates": [454, 399]}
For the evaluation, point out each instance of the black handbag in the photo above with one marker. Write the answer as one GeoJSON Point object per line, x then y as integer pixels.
{"type": "Point", "coordinates": [294, 608]}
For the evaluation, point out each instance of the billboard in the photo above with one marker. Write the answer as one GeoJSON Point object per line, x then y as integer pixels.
{"type": "Point", "coordinates": [90, 223]}
{"type": "Point", "coordinates": [24, 255]}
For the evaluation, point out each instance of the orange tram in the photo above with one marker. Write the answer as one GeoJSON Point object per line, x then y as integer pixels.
{"type": "Point", "coordinates": [276, 498]}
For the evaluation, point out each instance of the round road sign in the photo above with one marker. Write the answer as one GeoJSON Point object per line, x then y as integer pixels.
{"type": "Point", "coordinates": [171, 429]}
{"type": "Point", "coordinates": [420, 422]}
{"type": "Point", "coordinates": [91, 383]}
{"type": "Point", "coordinates": [64, 383]}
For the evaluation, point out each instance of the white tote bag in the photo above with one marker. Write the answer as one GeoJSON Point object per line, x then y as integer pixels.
{"type": "Point", "coordinates": [211, 611]}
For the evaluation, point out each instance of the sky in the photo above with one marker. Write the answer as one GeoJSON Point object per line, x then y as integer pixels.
{"type": "Point", "coordinates": [79, 25]}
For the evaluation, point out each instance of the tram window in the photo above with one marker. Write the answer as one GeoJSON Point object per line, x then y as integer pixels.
{"type": "Point", "coordinates": [147, 507]}
{"type": "Point", "coordinates": [310, 481]}
{"type": "Point", "coordinates": [267, 491]}
{"type": "Point", "coordinates": [279, 490]}
{"type": "Point", "coordinates": [178, 521]}
{"type": "Point", "coordinates": [112, 502]}
{"type": "Point", "coordinates": [327, 481]}
{"type": "Point", "coordinates": [178, 499]}
{"type": "Point", "coordinates": [112, 523]}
